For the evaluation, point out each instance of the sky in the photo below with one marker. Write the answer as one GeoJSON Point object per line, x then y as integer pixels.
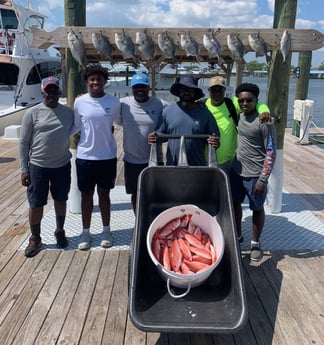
{"type": "Point", "coordinates": [187, 13]}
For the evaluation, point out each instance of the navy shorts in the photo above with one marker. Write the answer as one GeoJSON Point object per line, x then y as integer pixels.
{"type": "Point", "coordinates": [244, 186]}
{"type": "Point", "coordinates": [131, 174]}
{"type": "Point", "coordinates": [96, 172]}
{"type": "Point", "coordinates": [43, 180]}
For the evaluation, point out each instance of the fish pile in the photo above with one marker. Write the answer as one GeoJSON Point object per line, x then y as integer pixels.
{"type": "Point", "coordinates": [182, 247]}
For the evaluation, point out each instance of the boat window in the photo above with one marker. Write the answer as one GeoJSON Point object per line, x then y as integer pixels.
{"type": "Point", "coordinates": [43, 70]}
{"type": "Point", "coordinates": [8, 74]}
{"type": "Point", "coordinates": [34, 21]}
{"type": "Point", "coordinates": [8, 19]}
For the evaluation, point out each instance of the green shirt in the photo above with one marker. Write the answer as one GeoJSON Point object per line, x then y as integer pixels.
{"type": "Point", "coordinates": [228, 133]}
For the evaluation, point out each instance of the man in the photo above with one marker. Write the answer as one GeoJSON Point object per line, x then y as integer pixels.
{"type": "Point", "coordinates": [45, 161]}
{"type": "Point", "coordinates": [94, 113]}
{"type": "Point", "coordinates": [252, 164]}
{"type": "Point", "coordinates": [186, 117]}
{"type": "Point", "coordinates": [225, 112]}
{"type": "Point", "coordinates": [140, 115]}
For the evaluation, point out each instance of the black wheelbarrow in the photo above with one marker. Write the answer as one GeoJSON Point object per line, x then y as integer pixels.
{"type": "Point", "coordinates": [219, 304]}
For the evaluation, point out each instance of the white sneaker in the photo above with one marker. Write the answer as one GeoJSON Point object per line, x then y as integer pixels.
{"type": "Point", "coordinates": [85, 241]}
{"type": "Point", "coordinates": [106, 239]}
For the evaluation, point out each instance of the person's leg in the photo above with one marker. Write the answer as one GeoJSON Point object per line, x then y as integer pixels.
{"type": "Point", "coordinates": [104, 205]}
{"type": "Point", "coordinates": [60, 212]}
{"type": "Point", "coordinates": [256, 202]}
{"type": "Point", "coordinates": [35, 242]}
{"type": "Point", "coordinates": [105, 178]}
{"type": "Point", "coordinates": [131, 174]}
{"type": "Point", "coordinates": [238, 195]}
{"type": "Point", "coordinates": [237, 206]}
{"type": "Point", "coordinates": [86, 208]}
{"type": "Point", "coordinates": [133, 201]}
{"type": "Point", "coordinates": [37, 193]}
{"type": "Point", "coordinates": [258, 219]}
{"type": "Point", "coordinates": [86, 185]}
{"type": "Point", "coordinates": [60, 182]}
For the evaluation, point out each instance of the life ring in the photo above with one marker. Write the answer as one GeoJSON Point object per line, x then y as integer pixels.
{"type": "Point", "coordinates": [5, 39]}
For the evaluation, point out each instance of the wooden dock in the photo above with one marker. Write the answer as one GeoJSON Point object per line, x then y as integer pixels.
{"type": "Point", "coordinates": [69, 297]}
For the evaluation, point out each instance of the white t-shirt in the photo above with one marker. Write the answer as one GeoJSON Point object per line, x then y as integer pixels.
{"type": "Point", "coordinates": [94, 118]}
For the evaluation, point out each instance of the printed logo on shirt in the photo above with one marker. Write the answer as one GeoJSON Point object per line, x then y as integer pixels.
{"type": "Point", "coordinates": [107, 111]}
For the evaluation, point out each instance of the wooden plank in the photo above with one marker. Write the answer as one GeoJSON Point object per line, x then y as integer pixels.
{"type": "Point", "coordinates": [134, 336]}
{"type": "Point", "coordinates": [73, 325]}
{"type": "Point", "coordinates": [8, 272]}
{"type": "Point", "coordinates": [26, 298]}
{"type": "Point", "coordinates": [117, 314]}
{"type": "Point", "coordinates": [292, 303]}
{"type": "Point", "coordinates": [54, 322]}
{"type": "Point", "coordinates": [94, 324]}
{"type": "Point", "coordinates": [301, 39]}
{"type": "Point", "coordinates": [37, 314]}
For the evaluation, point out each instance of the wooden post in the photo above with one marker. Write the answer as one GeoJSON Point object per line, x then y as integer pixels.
{"type": "Point", "coordinates": [278, 90]}
{"type": "Point", "coordinates": [75, 15]}
{"type": "Point", "coordinates": [279, 72]}
{"type": "Point", "coordinates": [304, 63]}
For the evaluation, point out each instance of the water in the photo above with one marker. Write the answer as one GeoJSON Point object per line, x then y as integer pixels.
{"type": "Point", "coordinates": [315, 93]}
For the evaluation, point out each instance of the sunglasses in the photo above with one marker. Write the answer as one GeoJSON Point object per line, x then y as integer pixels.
{"type": "Point", "coordinates": [247, 100]}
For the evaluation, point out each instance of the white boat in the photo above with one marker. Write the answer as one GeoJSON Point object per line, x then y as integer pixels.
{"type": "Point", "coordinates": [21, 67]}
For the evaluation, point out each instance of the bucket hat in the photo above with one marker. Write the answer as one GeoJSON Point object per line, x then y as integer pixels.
{"type": "Point", "coordinates": [187, 81]}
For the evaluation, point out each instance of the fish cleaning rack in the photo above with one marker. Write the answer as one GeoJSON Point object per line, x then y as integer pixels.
{"type": "Point", "coordinates": [300, 40]}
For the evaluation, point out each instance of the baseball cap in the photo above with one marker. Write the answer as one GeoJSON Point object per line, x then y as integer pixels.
{"type": "Point", "coordinates": [139, 79]}
{"type": "Point", "coordinates": [220, 81]}
{"type": "Point", "coordinates": [50, 81]}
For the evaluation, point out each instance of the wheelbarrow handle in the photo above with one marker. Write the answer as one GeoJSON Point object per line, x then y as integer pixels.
{"type": "Point", "coordinates": [154, 154]}
{"type": "Point", "coordinates": [178, 136]}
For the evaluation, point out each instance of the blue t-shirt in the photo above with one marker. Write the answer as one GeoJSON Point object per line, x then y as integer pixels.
{"type": "Point", "coordinates": [183, 121]}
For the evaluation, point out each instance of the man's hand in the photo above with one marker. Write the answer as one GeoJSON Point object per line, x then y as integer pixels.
{"type": "Point", "coordinates": [25, 179]}
{"type": "Point", "coordinates": [259, 188]}
{"type": "Point", "coordinates": [265, 118]}
{"type": "Point", "coordinates": [213, 140]}
{"type": "Point", "coordinates": [152, 138]}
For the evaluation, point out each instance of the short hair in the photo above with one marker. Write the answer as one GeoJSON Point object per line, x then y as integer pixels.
{"type": "Point", "coordinates": [248, 87]}
{"type": "Point", "coordinates": [95, 69]}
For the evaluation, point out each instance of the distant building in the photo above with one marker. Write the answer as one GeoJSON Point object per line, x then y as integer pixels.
{"type": "Point", "coordinates": [316, 74]}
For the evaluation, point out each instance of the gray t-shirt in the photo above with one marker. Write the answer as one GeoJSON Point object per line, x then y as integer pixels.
{"type": "Point", "coordinates": [256, 147]}
{"type": "Point", "coordinates": [45, 137]}
{"type": "Point", "coordinates": [138, 121]}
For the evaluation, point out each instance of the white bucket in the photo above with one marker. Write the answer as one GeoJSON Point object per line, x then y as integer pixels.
{"type": "Point", "coordinates": [208, 224]}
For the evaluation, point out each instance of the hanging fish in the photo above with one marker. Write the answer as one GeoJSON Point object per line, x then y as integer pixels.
{"type": "Point", "coordinates": [76, 45]}
{"type": "Point", "coordinates": [125, 44]}
{"type": "Point", "coordinates": [167, 45]}
{"type": "Point", "coordinates": [259, 45]}
{"type": "Point", "coordinates": [285, 45]}
{"type": "Point", "coordinates": [190, 45]}
{"type": "Point", "coordinates": [102, 45]}
{"type": "Point", "coordinates": [236, 46]}
{"type": "Point", "coordinates": [213, 46]}
{"type": "Point", "coordinates": [145, 44]}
